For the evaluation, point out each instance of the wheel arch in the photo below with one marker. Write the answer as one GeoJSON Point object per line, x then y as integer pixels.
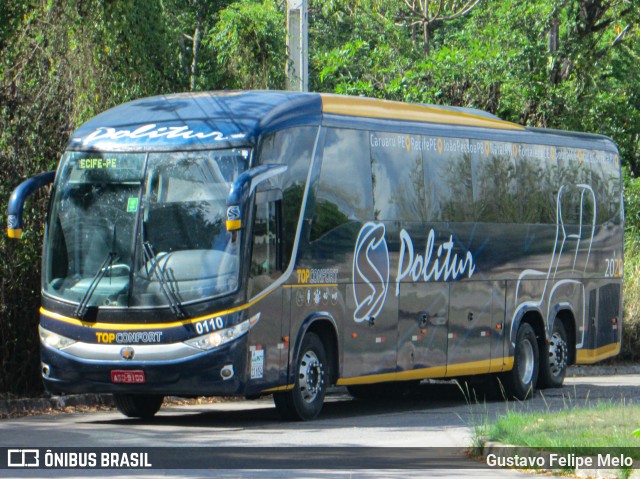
{"type": "Point", "coordinates": [325, 327]}
{"type": "Point", "coordinates": [533, 318]}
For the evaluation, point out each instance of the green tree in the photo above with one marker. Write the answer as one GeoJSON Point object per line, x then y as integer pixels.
{"type": "Point", "coordinates": [60, 64]}
{"type": "Point", "coordinates": [430, 14]}
{"type": "Point", "coordinates": [248, 46]}
{"type": "Point", "coordinates": [189, 21]}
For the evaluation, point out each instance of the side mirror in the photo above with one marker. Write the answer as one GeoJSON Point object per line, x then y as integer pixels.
{"type": "Point", "coordinates": [18, 198]}
{"type": "Point", "coordinates": [242, 188]}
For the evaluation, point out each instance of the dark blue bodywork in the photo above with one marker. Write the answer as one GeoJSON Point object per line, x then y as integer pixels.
{"type": "Point", "coordinates": [214, 120]}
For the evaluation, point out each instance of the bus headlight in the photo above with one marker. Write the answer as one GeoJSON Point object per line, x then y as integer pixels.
{"type": "Point", "coordinates": [54, 340]}
{"type": "Point", "coordinates": [223, 336]}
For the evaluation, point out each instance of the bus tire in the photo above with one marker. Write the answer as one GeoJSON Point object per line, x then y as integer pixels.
{"type": "Point", "coordinates": [143, 406]}
{"type": "Point", "coordinates": [520, 382]}
{"type": "Point", "coordinates": [553, 364]}
{"type": "Point", "coordinates": [304, 402]}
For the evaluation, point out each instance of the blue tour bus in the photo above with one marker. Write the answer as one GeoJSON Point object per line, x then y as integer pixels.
{"type": "Point", "coordinates": [254, 243]}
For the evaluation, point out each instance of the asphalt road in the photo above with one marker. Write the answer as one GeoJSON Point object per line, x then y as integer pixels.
{"type": "Point", "coordinates": [437, 416]}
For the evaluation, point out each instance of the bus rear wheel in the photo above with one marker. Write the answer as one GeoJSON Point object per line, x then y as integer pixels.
{"type": "Point", "coordinates": [553, 366]}
{"type": "Point", "coordinates": [305, 400]}
{"type": "Point", "coordinates": [520, 382]}
{"type": "Point", "coordinates": [143, 406]}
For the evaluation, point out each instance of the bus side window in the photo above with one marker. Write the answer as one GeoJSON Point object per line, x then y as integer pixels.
{"type": "Point", "coordinates": [345, 192]}
{"type": "Point", "coordinates": [266, 256]}
{"type": "Point", "coordinates": [397, 177]}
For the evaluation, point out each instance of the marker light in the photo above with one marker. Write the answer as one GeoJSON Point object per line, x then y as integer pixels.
{"type": "Point", "coordinates": [223, 336]}
{"type": "Point", "coordinates": [54, 340]}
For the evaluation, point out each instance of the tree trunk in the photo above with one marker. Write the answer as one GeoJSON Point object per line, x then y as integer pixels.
{"type": "Point", "coordinates": [426, 28]}
{"type": "Point", "coordinates": [197, 38]}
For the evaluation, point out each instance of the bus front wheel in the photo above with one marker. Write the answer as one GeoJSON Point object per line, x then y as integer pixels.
{"type": "Point", "coordinates": [143, 406]}
{"type": "Point", "coordinates": [520, 382]}
{"type": "Point", "coordinates": [304, 401]}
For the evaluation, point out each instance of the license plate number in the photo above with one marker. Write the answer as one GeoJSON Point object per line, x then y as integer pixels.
{"type": "Point", "coordinates": [128, 377]}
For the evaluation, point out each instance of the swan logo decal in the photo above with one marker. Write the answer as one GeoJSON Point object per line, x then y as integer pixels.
{"type": "Point", "coordinates": [12, 222]}
{"type": "Point", "coordinates": [370, 271]}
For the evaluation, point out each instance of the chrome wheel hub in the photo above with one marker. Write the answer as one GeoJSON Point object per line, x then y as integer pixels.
{"type": "Point", "coordinates": [526, 362]}
{"type": "Point", "coordinates": [310, 376]}
{"type": "Point", "coordinates": [557, 354]}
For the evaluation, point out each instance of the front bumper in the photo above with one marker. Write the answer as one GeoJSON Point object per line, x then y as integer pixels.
{"type": "Point", "coordinates": [168, 369]}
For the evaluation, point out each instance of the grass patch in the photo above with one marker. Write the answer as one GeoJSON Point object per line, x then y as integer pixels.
{"type": "Point", "coordinates": [586, 431]}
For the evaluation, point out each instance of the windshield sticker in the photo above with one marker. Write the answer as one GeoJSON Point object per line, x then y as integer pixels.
{"type": "Point", "coordinates": [152, 131]}
{"type": "Point", "coordinates": [132, 205]}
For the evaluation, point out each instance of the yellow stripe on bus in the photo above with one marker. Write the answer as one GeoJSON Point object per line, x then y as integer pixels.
{"type": "Point", "coordinates": [453, 370]}
{"type": "Point", "coordinates": [311, 285]}
{"type": "Point", "coordinates": [590, 356]}
{"type": "Point", "coordinates": [142, 326]}
{"type": "Point", "coordinates": [288, 387]}
{"type": "Point", "coordinates": [384, 109]}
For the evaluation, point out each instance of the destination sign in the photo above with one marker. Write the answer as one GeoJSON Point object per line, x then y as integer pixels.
{"type": "Point", "coordinates": [97, 163]}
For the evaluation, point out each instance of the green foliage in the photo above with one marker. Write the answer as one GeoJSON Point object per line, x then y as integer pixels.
{"type": "Point", "coordinates": [65, 62]}
{"type": "Point", "coordinates": [559, 65]}
{"type": "Point", "coordinates": [593, 427]}
{"type": "Point", "coordinates": [631, 331]}
{"type": "Point", "coordinates": [248, 44]}
{"type": "Point", "coordinates": [357, 49]}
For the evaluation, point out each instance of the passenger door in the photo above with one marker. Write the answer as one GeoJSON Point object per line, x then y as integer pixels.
{"type": "Point", "coordinates": [267, 356]}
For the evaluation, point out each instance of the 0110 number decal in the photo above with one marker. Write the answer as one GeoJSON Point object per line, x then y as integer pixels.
{"type": "Point", "coordinates": [209, 325]}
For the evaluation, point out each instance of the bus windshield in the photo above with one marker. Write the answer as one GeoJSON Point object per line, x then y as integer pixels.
{"type": "Point", "coordinates": [142, 229]}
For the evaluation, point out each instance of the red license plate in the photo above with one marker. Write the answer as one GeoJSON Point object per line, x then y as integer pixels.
{"type": "Point", "coordinates": [128, 377]}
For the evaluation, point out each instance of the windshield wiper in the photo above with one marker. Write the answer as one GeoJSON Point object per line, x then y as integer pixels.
{"type": "Point", "coordinates": [82, 308]}
{"type": "Point", "coordinates": [174, 302]}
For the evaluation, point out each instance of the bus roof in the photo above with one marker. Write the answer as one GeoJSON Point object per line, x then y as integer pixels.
{"type": "Point", "coordinates": [222, 119]}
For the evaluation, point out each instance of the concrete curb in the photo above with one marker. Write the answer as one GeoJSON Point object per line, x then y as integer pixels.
{"type": "Point", "coordinates": [507, 451]}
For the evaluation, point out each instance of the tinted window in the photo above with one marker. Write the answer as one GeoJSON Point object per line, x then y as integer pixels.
{"type": "Point", "coordinates": [606, 182]}
{"type": "Point", "coordinates": [264, 267]}
{"type": "Point", "coordinates": [537, 184]}
{"type": "Point", "coordinates": [294, 148]}
{"type": "Point", "coordinates": [344, 190]}
{"type": "Point", "coordinates": [494, 182]}
{"type": "Point", "coordinates": [573, 172]}
{"type": "Point", "coordinates": [398, 178]}
{"type": "Point", "coordinates": [448, 179]}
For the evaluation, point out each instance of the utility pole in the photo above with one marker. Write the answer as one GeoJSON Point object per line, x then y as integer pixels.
{"type": "Point", "coordinates": [298, 45]}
